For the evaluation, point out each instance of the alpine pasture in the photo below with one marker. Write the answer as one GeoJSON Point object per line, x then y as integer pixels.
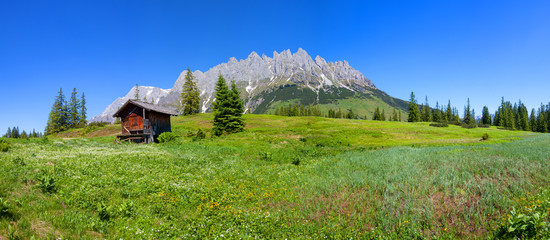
{"type": "Point", "coordinates": [283, 177]}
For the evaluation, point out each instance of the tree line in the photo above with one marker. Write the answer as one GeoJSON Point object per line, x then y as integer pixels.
{"type": "Point", "coordinates": [508, 116]}
{"type": "Point", "coordinates": [15, 133]}
{"type": "Point", "coordinates": [300, 110]}
{"type": "Point", "coordinates": [65, 114]}
{"type": "Point", "coordinates": [440, 113]}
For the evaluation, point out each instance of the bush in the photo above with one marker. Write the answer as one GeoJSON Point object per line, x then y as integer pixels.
{"type": "Point", "coordinates": [440, 124]}
{"type": "Point", "coordinates": [4, 147]}
{"type": "Point", "coordinates": [104, 212]}
{"type": "Point", "coordinates": [46, 183]}
{"type": "Point", "coordinates": [166, 137]}
{"type": "Point", "coordinates": [126, 209]}
{"type": "Point", "coordinates": [266, 156]}
{"type": "Point", "coordinates": [4, 208]}
{"type": "Point", "coordinates": [200, 135]}
{"type": "Point", "coordinates": [296, 161]}
{"type": "Point", "coordinates": [464, 125]}
{"type": "Point", "coordinates": [485, 137]}
{"type": "Point", "coordinates": [484, 125]}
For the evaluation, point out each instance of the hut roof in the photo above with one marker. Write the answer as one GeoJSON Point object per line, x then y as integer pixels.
{"type": "Point", "coordinates": [147, 106]}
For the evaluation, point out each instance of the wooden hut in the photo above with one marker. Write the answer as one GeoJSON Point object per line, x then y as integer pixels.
{"type": "Point", "coordinates": [143, 122]}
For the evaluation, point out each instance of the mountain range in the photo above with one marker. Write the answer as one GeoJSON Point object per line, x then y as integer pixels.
{"type": "Point", "coordinates": [268, 82]}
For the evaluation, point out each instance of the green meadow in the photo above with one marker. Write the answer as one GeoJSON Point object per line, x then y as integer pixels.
{"type": "Point", "coordinates": [282, 178]}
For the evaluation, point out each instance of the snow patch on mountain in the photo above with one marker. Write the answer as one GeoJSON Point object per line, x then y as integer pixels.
{"type": "Point", "coordinates": [255, 75]}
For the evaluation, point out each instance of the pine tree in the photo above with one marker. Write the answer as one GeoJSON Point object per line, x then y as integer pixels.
{"type": "Point", "coordinates": [136, 92]}
{"type": "Point", "coordinates": [228, 108]}
{"type": "Point", "coordinates": [399, 116]}
{"type": "Point", "coordinates": [522, 117]}
{"type": "Point", "coordinates": [82, 111]}
{"type": "Point", "coordinates": [23, 135]}
{"type": "Point", "coordinates": [8, 133]}
{"type": "Point", "coordinates": [394, 116]}
{"type": "Point", "coordinates": [377, 116]}
{"type": "Point", "coordinates": [436, 113]}
{"type": "Point", "coordinates": [414, 113]}
{"type": "Point", "coordinates": [73, 108]}
{"type": "Point", "coordinates": [383, 116]}
{"type": "Point", "coordinates": [189, 95]}
{"type": "Point", "coordinates": [15, 132]}
{"type": "Point", "coordinates": [449, 112]}
{"type": "Point", "coordinates": [533, 121]}
{"type": "Point", "coordinates": [425, 115]}
{"type": "Point", "coordinates": [485, 116]}
{"type": "Point", "coordinates": [57, 119]}
{"type": "Point", "coordinates": [236, 122]}
{"type": "Point", "coordinates": [468, 116]}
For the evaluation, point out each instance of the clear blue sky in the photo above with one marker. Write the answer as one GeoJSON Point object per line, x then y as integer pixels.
{"type": "Point", "coordinates": [443, 49]}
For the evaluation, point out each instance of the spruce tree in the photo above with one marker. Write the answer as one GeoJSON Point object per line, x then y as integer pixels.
{"type": "Point", "coordinates": [485, 116]}
{"type": "Point", "coordinates": [57, 119]}
{"type": "Point", "coordinates": [236, 122]}
{"type": "Point", "coordinates": [425, 116]}
{"type": "Point", "coordinates": [522, 117]}
{"type": "Point", "coordinates": [533, 121]}
{"type": "Point", "coordinates": [414, 113]}
{"type": "Point", "coordinates": [399, 116]}
{"type": "Point", "coordinates": [436, 113]}
{"type": "Point", "coordinates": [189, 95]}
{"type": "Point", "coordinates": [73, 108]}
{"type": "Point", "coordinates": [449, 112]}
{"type": "Point", "coordinates": [394, 116]}
{"type": "Point", "coordinates": [83, 111]}
{"type": "Point", "coordinates": [225, 119]}
{"type": "Point", "coordinates": [8, 133]}
{"type": "Point", "coordinates": [468, 117]}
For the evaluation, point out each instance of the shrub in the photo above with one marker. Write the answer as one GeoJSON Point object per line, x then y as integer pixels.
{"type": "Point", "coordinates": [18, 161]}
{"type": "Point", "coordinates": [485, 137]}
{"type": "Point", "coordinates": [126, 209]}
{"type": "Point", "coordinates": [4, 208]}
{"type": "Point", "coordinates": [464, 125]}
{"type": "Point", "coordinates": [200, 135]}
{"type": "Point", "coordinates": [266, 156]}
{"type": "Point", "coordinates": [4, 147]}
{"type": "Point", "coordinates": [484, 125]}
{"type": "Point", "coordinates": [166, 137]}
{"type": "Point", "coordinates": [104, 212]}
{"type": "Point", "coordinates": [296, 161]}
{"type": "Point", "coordinates": [440, 124]}
{"type": "Point", "coordinates": [46, 183]}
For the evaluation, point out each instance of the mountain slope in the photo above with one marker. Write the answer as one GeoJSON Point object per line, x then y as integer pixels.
{"type": "Point", "coordinates": [262, 79]}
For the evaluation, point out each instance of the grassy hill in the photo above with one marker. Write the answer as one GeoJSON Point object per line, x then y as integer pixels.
{"type": "Point", "coordinates": [297, 177]}
{"type": "Point", "coordinates": [363, 104]}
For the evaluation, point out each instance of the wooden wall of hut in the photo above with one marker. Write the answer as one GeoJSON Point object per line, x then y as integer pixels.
{"type": "Point", "coordinates": [159, 122]}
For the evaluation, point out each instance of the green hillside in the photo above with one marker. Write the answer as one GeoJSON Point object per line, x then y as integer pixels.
{"type": "Point", "coordinates": [362, 104]}
{"type": "Point", "coordinates": [283, 177]}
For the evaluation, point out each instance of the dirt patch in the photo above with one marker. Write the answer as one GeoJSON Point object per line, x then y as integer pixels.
{"type": "Point", "coordinates": [43, 229]}
{"type": "Point", "coordinates": [94, 235]}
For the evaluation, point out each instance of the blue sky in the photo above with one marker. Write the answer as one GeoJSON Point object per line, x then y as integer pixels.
{"type": "Point", "coordinates": [447, 50]}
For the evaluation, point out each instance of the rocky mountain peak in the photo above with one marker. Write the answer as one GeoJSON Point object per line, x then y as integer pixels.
{"type": "Point", "coordinates": [256, 75]}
